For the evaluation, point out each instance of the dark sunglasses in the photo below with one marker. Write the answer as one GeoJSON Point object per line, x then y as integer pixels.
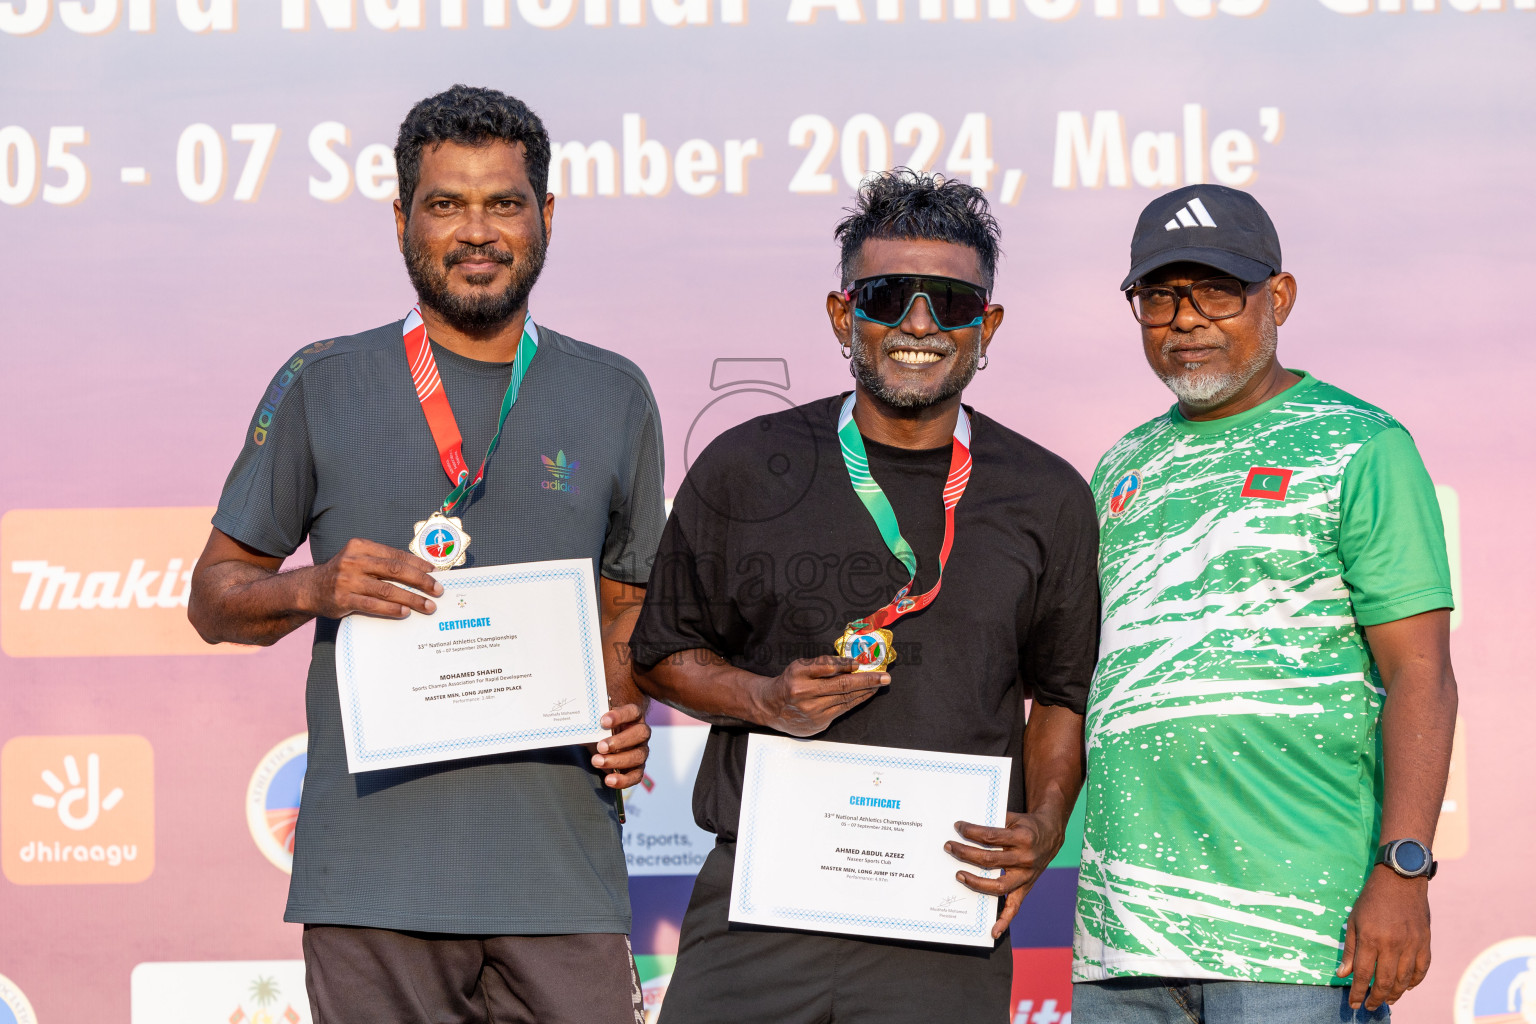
{"type": "Point", "coordinates": [885, 300]}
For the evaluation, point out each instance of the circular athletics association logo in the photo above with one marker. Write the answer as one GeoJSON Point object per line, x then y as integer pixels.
{"type": "Point", "coordinates": [441, 540]}
{"type": "Point", "coordinates": [14, 1008]}
{"type": "Point", "coordinates": [272, 799]}
{"type": "Point", "coordinates": [1125, 491]}
{"type": "Point", "coordinates": [1500, 985]}
{"type": "Point", "coordinates": [867, 648]}
{"type": "Point", "coordinates": [440, 543]}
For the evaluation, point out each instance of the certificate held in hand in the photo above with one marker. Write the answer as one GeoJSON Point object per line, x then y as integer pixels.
{"type": "Point", "coordinates": [511, 660]}
{"type": "Point", "coordinates": [837, 837]}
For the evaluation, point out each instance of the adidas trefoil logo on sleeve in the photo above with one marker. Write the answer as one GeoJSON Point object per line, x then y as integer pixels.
{"type": "Point", "coordinates": [1192, 214]}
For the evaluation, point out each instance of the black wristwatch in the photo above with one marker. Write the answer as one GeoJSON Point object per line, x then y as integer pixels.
{"type": "Point", "coordinates": [1409, 858]}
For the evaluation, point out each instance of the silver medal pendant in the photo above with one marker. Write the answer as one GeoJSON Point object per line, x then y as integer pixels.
{"type": "Point", "coordinates": [441, 540]}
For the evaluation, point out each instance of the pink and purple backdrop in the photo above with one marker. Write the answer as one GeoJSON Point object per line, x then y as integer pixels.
{"type": "Point", "coordinates": [144, 317]}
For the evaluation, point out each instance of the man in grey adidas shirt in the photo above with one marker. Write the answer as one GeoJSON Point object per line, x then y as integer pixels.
{"type": "Point", "coordinates": [490, 889]}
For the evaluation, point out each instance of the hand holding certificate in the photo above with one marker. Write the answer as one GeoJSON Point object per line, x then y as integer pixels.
{"type": "Point", "coordinates": [510, 660]}
{"type": "Point", "coordinates": [843, 838]}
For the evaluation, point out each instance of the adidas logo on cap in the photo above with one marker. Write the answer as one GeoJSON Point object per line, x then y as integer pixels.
{"type": "Point", "coordinates": [1243, 245]}
{"type": "Point", "coordinates": [1191, 214]}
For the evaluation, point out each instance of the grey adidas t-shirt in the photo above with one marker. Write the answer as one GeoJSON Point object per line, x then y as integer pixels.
{"type": "Point", "coordinates": [339, 448]}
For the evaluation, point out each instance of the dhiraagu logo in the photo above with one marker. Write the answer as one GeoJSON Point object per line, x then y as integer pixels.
{"type": "Point", "coordinates": [77, 809]}
{"type": "Point", "coordinates": [560, 472]}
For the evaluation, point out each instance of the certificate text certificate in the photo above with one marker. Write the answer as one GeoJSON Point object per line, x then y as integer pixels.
{"type": "Point", "coordinates": [512, 660]}
{"type": "Point", "coordinates": [837, 837]}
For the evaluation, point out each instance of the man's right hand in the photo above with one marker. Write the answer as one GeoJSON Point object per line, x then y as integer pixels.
{"type": "Point", "coordinates": [808, 695]}
{"type": "Point", "coordinates": [361, 577]}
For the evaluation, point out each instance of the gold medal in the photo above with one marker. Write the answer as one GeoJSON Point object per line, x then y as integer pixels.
{"type": "Point", "coordinates": [441, 540]}
{"type": "Point", "coordinates": [872, 649]}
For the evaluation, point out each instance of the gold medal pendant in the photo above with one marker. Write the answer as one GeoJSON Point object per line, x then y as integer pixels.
{"type": "Point", "coordinates": [441, 541]}
{"type": "Point", "coordinates": [873, 649]}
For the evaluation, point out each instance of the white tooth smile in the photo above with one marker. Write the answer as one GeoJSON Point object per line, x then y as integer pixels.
{"type": "Point", "coordinates": [913, 357]}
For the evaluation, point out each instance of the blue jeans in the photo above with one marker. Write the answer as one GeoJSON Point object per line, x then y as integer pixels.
{"type": "Point", "coordinates": [1186, 1001]}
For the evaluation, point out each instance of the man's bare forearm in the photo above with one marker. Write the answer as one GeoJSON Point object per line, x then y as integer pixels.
{"type": "Point", "coordinates": [620, 611]}
{"type": "Point", "coordinates": [1418, 724]}
{"type": "Point", "coordinates": [238, 595]}
{"type": "Point", "coordinates": [801, 701]}
{"type": "Point", "coordinates": [1418, 721]}
{"type": "Point", "coordinates": [237, 602]}
{"type": "Point", "coordinates": [703, 685]}
{"type": "Point", "coordinates": [1053, 762]}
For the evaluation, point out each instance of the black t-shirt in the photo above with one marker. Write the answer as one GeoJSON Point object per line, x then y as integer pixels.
{"type": "Point", "coordinates": [769, 554]}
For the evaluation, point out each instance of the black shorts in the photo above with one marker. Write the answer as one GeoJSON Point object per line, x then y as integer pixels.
{"type": "Point", "coordinates": [747, 975]}
{"type": "Point", "coordinates": [377, 976]}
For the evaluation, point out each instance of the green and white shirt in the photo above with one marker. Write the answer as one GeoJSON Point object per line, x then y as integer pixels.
{"type": "Point", "coordinates": [1234, 767]}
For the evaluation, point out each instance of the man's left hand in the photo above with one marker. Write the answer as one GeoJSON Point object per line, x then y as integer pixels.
{"type": "Point", "coordinates": [1387, 938]}
{"type": "Point", "coordinates": [622, 755]}
{"type": "Point", "coordinates": [1024, 847]}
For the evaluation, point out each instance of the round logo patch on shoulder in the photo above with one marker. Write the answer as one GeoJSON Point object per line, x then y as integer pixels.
{"type": "Point", "coordinates": [1124, 492]}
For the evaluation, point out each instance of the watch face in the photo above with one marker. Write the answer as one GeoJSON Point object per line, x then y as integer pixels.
{"type": "Point", "coordinates": [1410, 857]}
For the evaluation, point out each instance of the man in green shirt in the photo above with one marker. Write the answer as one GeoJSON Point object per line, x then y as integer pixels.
{"type": "Point", "coordinates": [1269, 726]}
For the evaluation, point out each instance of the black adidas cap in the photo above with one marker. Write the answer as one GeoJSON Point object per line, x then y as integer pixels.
{"type": "Point", "coordinates": [1211, 224]}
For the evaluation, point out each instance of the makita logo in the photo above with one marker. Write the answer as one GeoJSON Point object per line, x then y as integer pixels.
{"type": "Point", "coordinates": [1192, 214]}
{"type": "Point", "coordinates": [100, 581]}
{"type": "Point", "coordinates": [50, 587]}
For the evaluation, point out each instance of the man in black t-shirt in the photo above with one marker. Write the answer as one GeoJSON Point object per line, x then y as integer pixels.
{"type": "Point", "coordinates": [772, 553]}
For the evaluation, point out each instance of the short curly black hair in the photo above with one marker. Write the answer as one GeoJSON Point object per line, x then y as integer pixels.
{"type": "Point", "coordinates": [473, 117]}
{"type": "Point", "coordinates": [904, 203]}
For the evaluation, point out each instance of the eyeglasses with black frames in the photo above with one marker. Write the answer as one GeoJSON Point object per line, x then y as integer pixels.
{"type": "Point", "coordinates": [1215, 298]}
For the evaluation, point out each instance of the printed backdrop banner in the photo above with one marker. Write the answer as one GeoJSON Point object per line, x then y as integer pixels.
{"type": "Point", "coordinates": [191, 191]}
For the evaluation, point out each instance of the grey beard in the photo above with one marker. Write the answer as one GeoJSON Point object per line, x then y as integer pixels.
{"type": "Point", "coordinates": [910, 399]}
{"type": "Point", "coordinates": [1203, 389]}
